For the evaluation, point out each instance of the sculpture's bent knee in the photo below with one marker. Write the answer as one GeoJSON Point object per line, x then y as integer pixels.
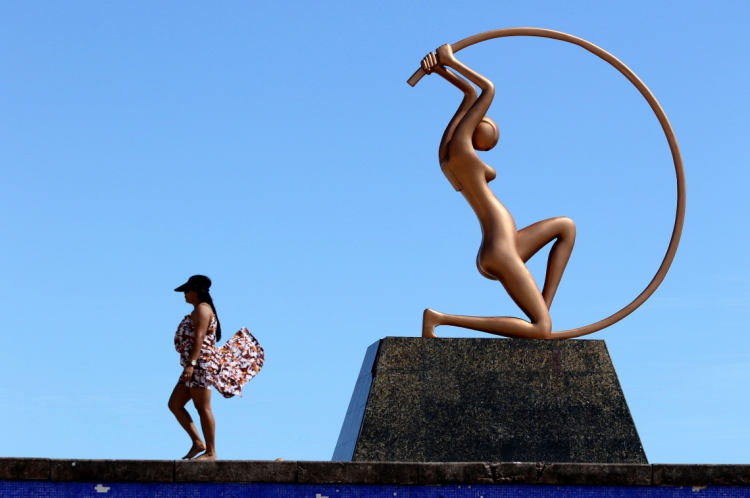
{"type": "Point", "coordinates": [567, 228]}
{"type": "Point", "coordinates": [545, 328]}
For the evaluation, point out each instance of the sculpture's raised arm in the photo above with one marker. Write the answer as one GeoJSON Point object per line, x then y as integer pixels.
{"type": "Point", "coordinates": [472, 118]}
{"type": "Point", "coordinates": [431, 65]}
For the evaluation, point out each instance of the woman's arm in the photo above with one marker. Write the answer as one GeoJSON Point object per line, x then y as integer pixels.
{"type": "Point", "coordinates": [430, 65]}
{"type": "Point", "coordinates": [481, 105]}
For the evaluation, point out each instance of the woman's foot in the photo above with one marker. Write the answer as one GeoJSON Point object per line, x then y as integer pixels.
{"type": "Point", "coordinates": [206, 456]}
{"type": "Point", "coordinates": [430, 320]}
{"type": "Point", "coordinates": [198, 447]}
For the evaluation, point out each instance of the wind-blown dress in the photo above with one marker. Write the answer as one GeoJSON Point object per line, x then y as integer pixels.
{"type": "Point", "coordinates": [227, 368]}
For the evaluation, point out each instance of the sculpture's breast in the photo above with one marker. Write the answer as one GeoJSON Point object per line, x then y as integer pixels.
{"type": "Point", "coordinates": [489, 173]}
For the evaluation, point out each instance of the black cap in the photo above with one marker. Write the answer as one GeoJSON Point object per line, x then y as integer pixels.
{"type": "Point", "coordinates": [196, 282]}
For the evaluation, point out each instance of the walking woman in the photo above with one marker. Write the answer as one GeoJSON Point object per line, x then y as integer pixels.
{"type": "Point", "coordinates": [505, 249]}
{"type": "Point", "coordinates": [204, 365]}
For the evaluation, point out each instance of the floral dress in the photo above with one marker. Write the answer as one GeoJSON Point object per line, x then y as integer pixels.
{"type": "Point", "coordinates": [227, 368]}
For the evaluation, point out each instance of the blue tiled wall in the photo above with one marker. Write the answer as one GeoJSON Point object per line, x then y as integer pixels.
{"type": "Point", "coordinates": [46, 489]}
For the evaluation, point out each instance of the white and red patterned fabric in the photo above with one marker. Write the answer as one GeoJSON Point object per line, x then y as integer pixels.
{"type": "Point", "coordinates": [227, 368]}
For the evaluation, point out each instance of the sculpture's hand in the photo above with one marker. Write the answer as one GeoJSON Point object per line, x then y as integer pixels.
{"type": "Point", "coordinates": [445, 54]}
{"type": "Point", "coordinates": [429, 63]}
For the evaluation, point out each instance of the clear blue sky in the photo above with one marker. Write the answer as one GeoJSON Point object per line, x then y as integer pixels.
{"type": "Point", "coordinates": [276, 147]}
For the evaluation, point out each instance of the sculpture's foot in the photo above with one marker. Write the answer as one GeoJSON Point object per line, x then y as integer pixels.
{"type": "Point", "coordinates": [430, 320]}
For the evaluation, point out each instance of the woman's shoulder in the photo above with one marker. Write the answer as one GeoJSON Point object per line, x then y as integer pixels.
{"type": "Point", "coordinates": [203, 310]}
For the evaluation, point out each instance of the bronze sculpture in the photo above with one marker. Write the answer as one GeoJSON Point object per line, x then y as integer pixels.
{"type": "Point", "coordinates": [504, 249]}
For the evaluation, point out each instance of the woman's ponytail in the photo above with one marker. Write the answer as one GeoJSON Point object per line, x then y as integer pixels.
{"type": "Point", "coordinates": [205, 297]}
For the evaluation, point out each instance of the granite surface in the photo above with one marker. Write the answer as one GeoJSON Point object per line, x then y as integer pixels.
{"type": "Point", "coordinates": [499, 400]}
{"type": "Point", "coordinates": [373, 473]}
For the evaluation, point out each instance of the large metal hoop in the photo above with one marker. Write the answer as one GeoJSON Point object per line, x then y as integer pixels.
{"type": "Point", "coordinates": [671, 139]}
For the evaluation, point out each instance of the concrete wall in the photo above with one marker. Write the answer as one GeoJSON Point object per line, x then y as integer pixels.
{"type": "Point", "coordinates": [22, 477]}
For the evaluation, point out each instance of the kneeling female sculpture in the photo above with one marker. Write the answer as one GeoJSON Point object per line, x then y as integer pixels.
{"type": "Point", "coordinates": [505, 249]}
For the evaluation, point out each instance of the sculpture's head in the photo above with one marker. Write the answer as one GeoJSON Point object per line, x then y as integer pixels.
{"type": "Point", "coordinates": [486, 135]}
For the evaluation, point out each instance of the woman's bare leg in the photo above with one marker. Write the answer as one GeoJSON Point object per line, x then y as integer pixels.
{"type": "Point", "coordinates": [202, 402]}
{"type": "Point", "coordinates": [532, 238]}
{"type": "Point", "coordinates": [177, 401]}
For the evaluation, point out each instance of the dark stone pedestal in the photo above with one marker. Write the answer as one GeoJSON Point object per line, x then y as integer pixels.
{"type": "Point", "coordinates": [501, 400]}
